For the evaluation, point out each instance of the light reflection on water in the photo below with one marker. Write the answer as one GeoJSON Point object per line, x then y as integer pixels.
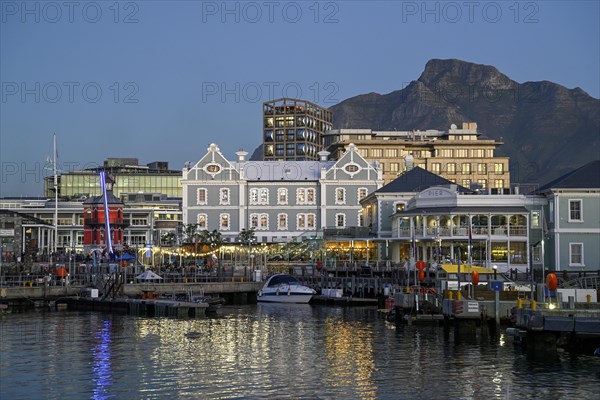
{"type": "Point", "coordinates": [271, 351]}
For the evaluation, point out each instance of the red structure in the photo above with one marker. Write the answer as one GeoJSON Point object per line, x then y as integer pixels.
{"type": "Point", "coordinates": [94, 222]}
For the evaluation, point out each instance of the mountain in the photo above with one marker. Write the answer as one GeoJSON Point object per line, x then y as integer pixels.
{"type": "Point", "coordinates": [546, 128]}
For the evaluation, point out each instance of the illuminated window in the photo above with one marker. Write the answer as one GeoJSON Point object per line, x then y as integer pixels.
{"type": "Point", "coordinates": [451, 168]}
{"type": "Point", "coordinates": [282, 222]}
{"type": "Point", "coordinates": [282, 196]}
{"type": "Point", "coordinates": [466, 168]}
{"type": "Point", "coordinates": [202, 221]}
{"type": "Point", "coordinates": [305, 221]}
{"type": "Point", "coordinates": [498, 168]}
{"type": "Point", "coordinates": [259, 196]}
{"type": "Point", "coordinates": [305, 196]}
{"type": "Point", "coordinates": [436, 168]}
{"type": "Point", "coordinates": [362, 193]}
{"type": "Point", "coordinates": [224, 222]}
{"type": "Point", "coordinates": [259, 221]}
{"type": "Point", "coordinates": [482, 168]}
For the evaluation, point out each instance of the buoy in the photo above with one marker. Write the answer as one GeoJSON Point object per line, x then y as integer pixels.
{"type": "Point", "coordinates": [421, 275]}
{"type": "Point", "coordinates": [475, 278]}
{"type": "Point", "coordinates": [62, 272]}
{"type": "Point", "coordinates": [420, 265]}
{"type": "Point", "coordinates": [551, 282]}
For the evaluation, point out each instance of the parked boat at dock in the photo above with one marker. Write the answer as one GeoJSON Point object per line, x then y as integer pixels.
{"type": "Point", "coordinates": [284, 288]}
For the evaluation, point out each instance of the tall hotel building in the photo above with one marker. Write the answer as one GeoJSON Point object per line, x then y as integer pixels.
{"type": "Point", "coordinates": [293, 129]}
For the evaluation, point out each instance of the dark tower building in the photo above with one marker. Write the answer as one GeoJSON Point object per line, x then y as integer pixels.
{"type": "Point", "coordinates": [292, 129]}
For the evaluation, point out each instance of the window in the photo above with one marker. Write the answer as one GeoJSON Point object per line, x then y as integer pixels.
{"type": "Point", "coordinates": [224, 196]}
{"type": "Point", "coordinates": [466, 168]}
{"type": "Point", "coordinates": [259, 196]}
{"type": "Point", "coordinates": [462, 153]}
{"type": "Point", "coordinates": [478, 153]}
{"type": "Point", "coordinates": [259, 222]}
{"type": "Point", "coordinates": [224, 222]}
{"type": "Point", "coordinates": [391, 153]}
{"type": "Point", "coordinates": [451, 168]}
{"type": "Point", "coordinates": [376, 153]}
{"type": "Point", "coordinates": [482, 168]}
{"type": "Point", "coordinates": [499, 183]}
{"type": "Point", "coordinates": [351, 168]}
{"type": "Point", "coordinates": [483, 183]}
{"type": "Point", "coordinates": [282, 196]}
{"type": "Point", "coordinates": [466, 183]}
{"type": "Point", "coordinates": [340, 220]}
{"type": "Point", "coordinates": [575, 253]}
{"type": "Point", "coordinates": [340, 196]}
{"type": "Point", "coordinates": [362, 193]}
{"type": "Point", "coordinates": [394, 167]}
{"type": "Point", "coordinates": [305, 196]}
{"type": "Point", "coordinates": [202, 221]}
{"type": "Point", "coordinates": [400, 207]}
{"type": "Point", "coordinates": [201, 196]}
{"type": "Point", "coordinates": [436, 168]}
{"type": "Point", "coordinates": [535, 219]}
{"type": "Point", "coordinates": [305, 221]}
{"type": "Point", "coordinates": [445, 153]}
{"type": "Point", "coordinates": [498, 168]}
{"type": "Point", "coordinates": [282, 222]}
{"type": "Point", "coordinates": [575, 211]}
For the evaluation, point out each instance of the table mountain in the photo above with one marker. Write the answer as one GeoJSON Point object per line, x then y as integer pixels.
{"type": "Point", "coordinates": [547, 129]}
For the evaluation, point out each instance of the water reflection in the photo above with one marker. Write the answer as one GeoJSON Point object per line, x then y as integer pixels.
{"type": "Point", "coordinates": [272, 351]}
{"type": "Point", "coordinates": [101, 372]}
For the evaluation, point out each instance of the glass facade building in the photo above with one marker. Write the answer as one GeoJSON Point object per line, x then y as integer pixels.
{"type": "Point", "coordinates": [151, 178]}
{"type": "Point", "coordinates": [292, 129]}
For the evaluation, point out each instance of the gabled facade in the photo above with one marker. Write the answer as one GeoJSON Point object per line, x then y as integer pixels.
{"type": "Point", "coordinates": [444, 224]}
{"type": "Point", "coordinates": [280, 200]}
{"type": "Point", "coordinates": [571, 219]}
{"type": "Point", "coordinates": [394, 196]}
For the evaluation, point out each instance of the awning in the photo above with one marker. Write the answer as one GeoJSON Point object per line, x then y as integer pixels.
{"type": "Point", "coordinates": [465, 269]}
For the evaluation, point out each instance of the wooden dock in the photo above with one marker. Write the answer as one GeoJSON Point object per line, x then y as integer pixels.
{"type": "Point", "coordinates": [140, 307]}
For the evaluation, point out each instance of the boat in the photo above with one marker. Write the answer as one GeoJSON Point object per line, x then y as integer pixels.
{"type": "Point", "coordinates": [284, 288]}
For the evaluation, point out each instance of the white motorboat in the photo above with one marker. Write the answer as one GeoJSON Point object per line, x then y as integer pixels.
{"type": "Point", "coordinates": [284, 288]}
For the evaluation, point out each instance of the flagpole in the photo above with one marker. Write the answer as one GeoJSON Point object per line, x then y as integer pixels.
{"type": "Point", "coordinates": [55, 198]}
{"type": "Point", "coordinates": [470, 255]}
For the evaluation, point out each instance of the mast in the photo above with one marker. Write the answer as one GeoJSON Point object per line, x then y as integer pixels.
{"type": "Point", "coordinates": [55, 221]}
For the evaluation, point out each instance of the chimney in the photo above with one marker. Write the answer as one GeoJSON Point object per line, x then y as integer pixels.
{"type": "Point", "coordinates": [241, 155]}
{"type": "Point", "coordinates": [323, 155]}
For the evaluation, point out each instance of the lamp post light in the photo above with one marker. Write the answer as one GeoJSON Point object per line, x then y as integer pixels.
{"type": "Point", "coordinates": [495, 268]}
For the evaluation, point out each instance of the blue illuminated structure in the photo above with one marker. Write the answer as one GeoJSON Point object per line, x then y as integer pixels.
{"type": "Point", "coordinates": [107, 234]}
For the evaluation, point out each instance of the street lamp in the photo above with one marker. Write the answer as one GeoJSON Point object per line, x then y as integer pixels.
{"type": "Point", "coordinates": [495, 268]}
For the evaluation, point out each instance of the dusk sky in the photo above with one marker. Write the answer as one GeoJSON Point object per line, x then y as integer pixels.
{"type": "Point", "coordinates": [161, 80]}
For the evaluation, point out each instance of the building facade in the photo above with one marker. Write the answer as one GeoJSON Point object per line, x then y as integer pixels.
{"type": "Point", "coordinates": [571, 220]}
{"type": "Point", "coordinates": [27, 225]}
{"type": "Point", "coordinates": [280, 200]}
{"type": "Point", "coordinates": [459, 155]}
{"type": "Point", "coordinates": [155, 177]}
{"type": "Point", "coordinates": [489, 230]}
{"type": "Point", "coordinates": [292, 129]}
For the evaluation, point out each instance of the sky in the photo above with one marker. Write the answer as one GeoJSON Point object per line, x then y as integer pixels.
{"type": "Point", "coordinates": [162, 80]}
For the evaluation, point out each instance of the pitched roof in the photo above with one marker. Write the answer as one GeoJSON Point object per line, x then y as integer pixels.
{"type": "Point", "coordinates": [417, 180]}
{"type": "Point", "coordinates": [585, 177]}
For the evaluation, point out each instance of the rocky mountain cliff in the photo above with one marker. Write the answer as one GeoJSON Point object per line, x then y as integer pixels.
{"type": "Point", "coordinates": [547, 129]}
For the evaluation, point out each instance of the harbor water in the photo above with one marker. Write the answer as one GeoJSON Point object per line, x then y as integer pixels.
{"type": "Point", "coordinates": [274, 351]}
